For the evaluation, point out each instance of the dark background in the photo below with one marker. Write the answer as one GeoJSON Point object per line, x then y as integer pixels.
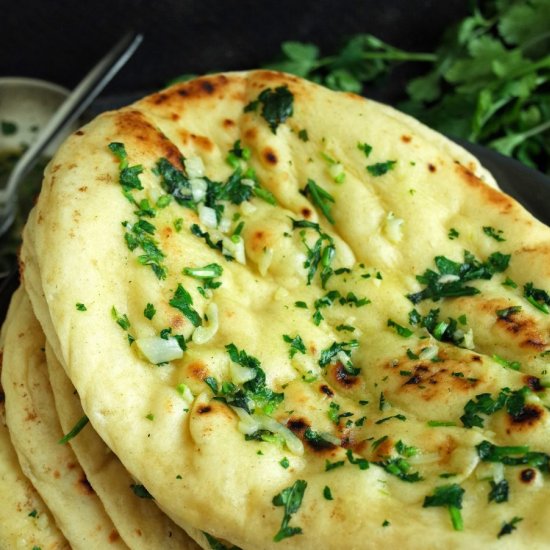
{"type": "Point", "coordinates": [61, 40]}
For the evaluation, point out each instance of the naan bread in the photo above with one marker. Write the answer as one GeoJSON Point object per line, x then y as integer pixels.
{"type": "Point", "coordinates": [138, 520]}
{"type": "Point", "coordinates": [25, 521]}
{"type": "Point", "coordinates": [369, 418]}
{"type": "Point", "coordinates": [35, 431]}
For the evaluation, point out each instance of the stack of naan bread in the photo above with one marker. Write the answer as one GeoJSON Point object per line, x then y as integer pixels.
{"type": "Point", "coordinates": [257, 313]}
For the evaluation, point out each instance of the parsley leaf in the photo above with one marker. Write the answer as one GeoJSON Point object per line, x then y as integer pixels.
{"type": "Point", "coordinates": [291, 498]}
{"type": "Point", "coordinates": [296, 344]}
{"type": "Point", "coordinates": [449, 496]}
{"type": "Point", "coordinates": [183, 301]}
{"type": "Point", "coordinates": [277, 106]}
{"type": "Point", "coordinates": [381, 168]}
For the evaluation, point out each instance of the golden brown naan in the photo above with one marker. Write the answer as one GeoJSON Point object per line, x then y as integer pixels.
{"type": "Point", "coordinates": [361, 405]}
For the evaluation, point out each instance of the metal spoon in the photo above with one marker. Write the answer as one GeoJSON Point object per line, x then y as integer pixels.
{"type": "Point", "coordinates": [75, 104]}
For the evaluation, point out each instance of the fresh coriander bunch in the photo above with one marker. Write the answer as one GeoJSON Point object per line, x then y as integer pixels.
{"type": "Point", "coordinates": [488, 82]}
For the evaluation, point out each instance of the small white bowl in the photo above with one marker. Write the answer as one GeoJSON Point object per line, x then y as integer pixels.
{"type": "Point", "coordinates": [26, 105]}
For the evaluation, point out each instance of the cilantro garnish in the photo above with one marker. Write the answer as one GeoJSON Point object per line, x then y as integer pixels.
{"type": "Point", "coordinates": [320, 198]}
{"type": "Point", "coordinates": [453, 234]}
{"type": "Point", "coordinates": [140, 235]}
{"type": "Point", "coordinates": [327, 493]}
{"type": "Point", "coordinates": [361, 463]}
{"type": "Point", "coordinates": [302, 134]}
{"type": "Point", "coordinates": [340, 351]}
{"type": "Point", "coordinates": [122, 320]}
{"type": "Point", "coordinates": [405, 450]}
{"type": "Point", "coordinates": [400, 468]}
{"type": "Point", "coordinates": [401, 417]}
{"type": "Point", "coordinates": [402, 331]}
{"type": "Point", "coordinates": [291, 499]}
{"type": "Point", "coordinates": [320, 255]}
{"type": "Point", "coordinates": [128, 175]}
{"type": "Point", "coordinates": [81, 307]}
{"type": "Point", "coordinates": [254, 393]}
{"type": "Point", "coordinates": [140, 491]}
{"type": "Point", "coordinates": [198, 232]}
{"type": "Point", "coordinates": [149, 311]}
{"type": "Point", "coordinates": [513, 456]}
{"type": "Point", "coordinates": [333, 465]}
{"type": "Point", "coordinates": [365, 147]}
{"type": "Point", "coordinates": [237, 153]}
{"type": "Point", "coordinates": [77, 428]}
{"type": "Point", "coordinates": [381, 168]}
{"type": "Point", "coordinates": [296, 344]}
{"type": "Point", "coordinates": [444, 331]}
{"type": "Point", "coordinates": [449, 496]}
{"type": "Point", "coordinates": [215, 544]}
{"type": "Point", "coordinates": [277, 106]}
{"type": "Point", "coordinates": [484, 403]}
{"type": "Point", "coordinates": [508, 527]}
{"type": "Point", "coordinates": [284, 462]}
{"type": "Point", "coordinates": [506, 312]}
{"type": "Point", "coordinates": [537, 297]}
{"type": "Point", "coordinates": [183, 301]}
{"type": "Point", "coordinates": [206, 274]}
{"type": "Point", "coordinates": [499, 491]}
{"type": "Point", "coordinates": [494, 233]}
{"type": "Point", "coordinates": [449, 280]}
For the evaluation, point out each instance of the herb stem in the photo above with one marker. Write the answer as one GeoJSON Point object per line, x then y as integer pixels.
{"type": "Point", "coordinates": [385, 56]}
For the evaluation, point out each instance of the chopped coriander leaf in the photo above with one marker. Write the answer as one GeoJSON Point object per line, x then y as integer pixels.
{"type": "Point", "coordinates": [509, 526]}
{"type": "Point", "coordinates": [197, 231]}
{"type": "Point", "coordinates": [499, 491]}
{"type": "Point", "coordinates": [537, 297]}
{"type": "Point", "coordinates": [361, 463]}
{"type": "Point", "coordinates": [237, 153]}
{"type": "Point", "coordinates": [215, 544]}
{"type": "Point", "coordinates": [340, 352]}
{"type": "Point", "coordinates": [77, 428]}
{"type": "Point", "coordinates": [402, 331]}
{"type": "Point", "coordinates": [365, 147]}
{"type": "Point", "coordinates": [301, 305]}
{"type": "Point", "coordinates": [484, 403]}
{"type": "Point", "coordinates": [401, 417]}
{"type": "Point", "coordinates": [320, 198]}
{"type": "Point", "coordinates": [277, 106]}
{"type": "Point", "coordinates": [140, 235]}
{"type": "Point", "coordinates": [302, 134]}
{"type": "Point", "coordinates": [178, 224]}
{"type": "Point", "coordinates": [382, 403]}
{"type": "Point", "coordinates": [284, 463]}
{"type": "Point", "coordinates": [399, 468]}
{"type": "Point", "coordinates": [333, 465]}
{"type": "Point", "coordinates": [254, 393]}
{"type": "Point", "coordinates": [510, 283]}
{"type": "Point", "coordinates": [150, 416]}
{"type": "Point", "coordinates": [506, 312]}
{"type": "Point", "coordinates": [411, 355]}
{"type": "Point", "coordinates": [291, 499]}
{"type": "Point", "coordinates": [183, 301]}
{"type": "Point", "coordinates": [33, 514]}
{"type": "Point", "coordinates": [513, 456]}
{"type": "Point", "coordinates": [386, 523]}
{"type": "Point", "coordinates": [327, 493]}
{"type": "Point", "coordinates": [494, 233]}
{"type": "Point", "coordinates": [140, 491]}
{"type": "Point", "coordinates": [264, 194]}
{"type": "Point", "coordinates": [122, 320]}
{"type": "Point", "coordinates": [347, 328]}
{"type": "Point", "coordinates": [296, 344]}
{"type": "Point", "coordinates": [451, 276]}
{"type": "Point", "coordinates": [318, 441]}
{"type": "Point", "coordinates": [381, 168]}
{"type": "Point", "coordinates": [440, 424]}
{"type": "Point", "coordinates": [149, 311]}
{"type": "Point", "coordinates": [514, 365]}
{"type": "Point", "coordinates": [81, 307]}
{"type": "Point", "coordinates": [375, 444]}
{"type": "Point", "coordinates": [449, 496]}
{"type": "Point", "coordinates": [405, 450]}
{"type": "Point", "coordinates": [453, 234]}
{"type": "Point", "coordinates": [320, 255]}
{"type": "Point", "coordinates": [128, 175]}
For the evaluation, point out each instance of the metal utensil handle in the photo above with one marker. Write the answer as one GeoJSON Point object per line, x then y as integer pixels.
{"type": "Point", "coordinates": [75, 104]}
